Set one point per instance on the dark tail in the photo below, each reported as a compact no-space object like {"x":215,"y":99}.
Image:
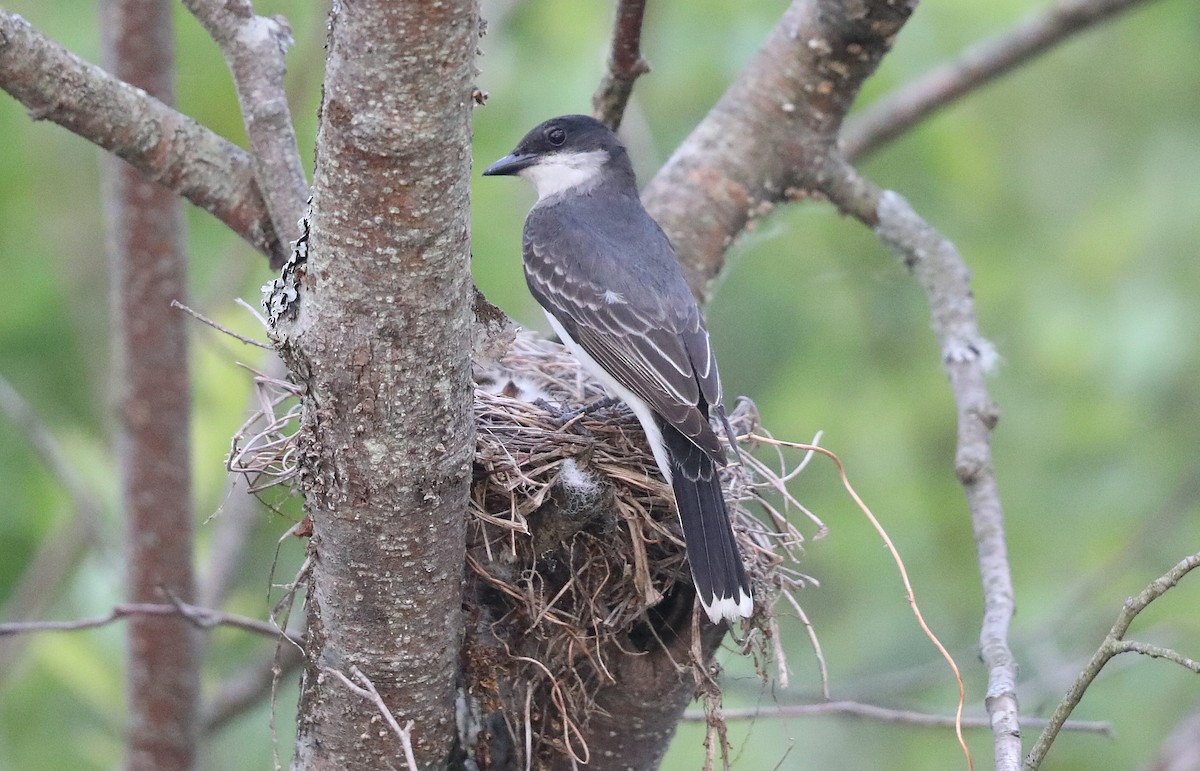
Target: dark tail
{"x":712,"y":552}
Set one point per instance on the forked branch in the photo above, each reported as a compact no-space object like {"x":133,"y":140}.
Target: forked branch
{"x":162,"y":143}
{"x":254,"y":48}
{"x":1115,"y":644}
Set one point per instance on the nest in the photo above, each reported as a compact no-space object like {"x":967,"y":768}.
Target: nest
{"x":573,"y":543}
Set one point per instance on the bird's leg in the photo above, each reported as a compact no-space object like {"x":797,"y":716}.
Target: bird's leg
{"x":603,"y":403}
{"x":591,"y":408}
{"x":569,"y":416}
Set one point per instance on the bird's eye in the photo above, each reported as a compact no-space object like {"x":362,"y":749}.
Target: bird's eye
{"x":555,"y":135}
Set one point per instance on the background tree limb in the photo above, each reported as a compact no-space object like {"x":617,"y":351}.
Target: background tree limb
{"x":60,"y":554}
{"x":149,"y":271}
{"x":164,"y":145}
{"x":981,"y":63}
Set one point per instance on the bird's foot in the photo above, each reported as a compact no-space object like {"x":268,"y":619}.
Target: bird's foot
{"x":568,"y":417}
{"x":602,"y":403}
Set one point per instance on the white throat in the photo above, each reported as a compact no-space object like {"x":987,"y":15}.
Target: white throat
{"x":561,"y":172}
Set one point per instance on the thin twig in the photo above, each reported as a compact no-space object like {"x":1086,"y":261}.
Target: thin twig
{"x":366,"y":689}
{"x":205,"y":618}
{"x":1113,"y":645}
{"x":220,"y":328}
{"x":977,"y":66}
{"x":889,"y":715}
{"x":625,"y":64}
{"x":253,"y":312}
{"x":943,"y":275}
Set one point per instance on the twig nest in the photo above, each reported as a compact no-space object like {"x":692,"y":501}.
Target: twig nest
{"x":575,"y":554}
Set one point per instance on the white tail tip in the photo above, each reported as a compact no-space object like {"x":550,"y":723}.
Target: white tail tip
{"x":731,"y":608}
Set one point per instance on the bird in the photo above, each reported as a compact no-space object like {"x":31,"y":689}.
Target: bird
{"x":614,"y":292}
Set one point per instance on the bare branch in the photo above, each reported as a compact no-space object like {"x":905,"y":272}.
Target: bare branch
{"x":59,"y":555}
{"x":144,"y":221}
{"x":166,"y":146}
{"x":202,"y":618}
{"x":1157,"y":652}
{"x":981,"y":63}
{"x":89,"y":518}
{"x":625,"y":64}
{"x":363,"y":686}
{"x":766,"y":139}
{"x":966,"y":355}
{"x":1113,"y":645}
{"x":888,"y":715}
{"x":255,"y":49}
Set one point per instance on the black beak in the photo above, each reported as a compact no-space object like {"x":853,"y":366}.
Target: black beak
{"x":510,"y":164}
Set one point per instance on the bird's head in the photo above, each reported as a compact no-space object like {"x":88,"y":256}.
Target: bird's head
{"x":571,"y":152}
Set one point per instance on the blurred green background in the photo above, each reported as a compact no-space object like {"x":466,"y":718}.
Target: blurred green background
{"x":1072,"y":189}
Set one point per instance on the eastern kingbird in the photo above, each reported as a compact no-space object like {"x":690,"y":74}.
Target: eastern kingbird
{"x":613,"y":290}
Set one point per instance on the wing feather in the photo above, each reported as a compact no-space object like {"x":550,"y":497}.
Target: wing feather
{"x":649,"y":338}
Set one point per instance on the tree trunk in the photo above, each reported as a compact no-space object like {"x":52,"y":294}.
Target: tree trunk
{"x":381,"y":340}
{"x":148,"y":272}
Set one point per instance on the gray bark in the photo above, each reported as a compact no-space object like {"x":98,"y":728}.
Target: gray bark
{"x":381,"y":340}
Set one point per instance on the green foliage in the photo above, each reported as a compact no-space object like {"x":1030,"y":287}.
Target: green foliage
{"x":1069,"y":187}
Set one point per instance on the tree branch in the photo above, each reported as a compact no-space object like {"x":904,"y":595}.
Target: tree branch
{"x":363,"y":686}
{"x":164,"y":145}
{"x":625,"y":64}
{"x":255,"y":49}
{"x":966,"y":355}
{"x":201,"y":618}
{"x":978,"y":65}
{"x":1113,"y":645}
{"x":766,"y":139}
{"x":888,"y":715}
